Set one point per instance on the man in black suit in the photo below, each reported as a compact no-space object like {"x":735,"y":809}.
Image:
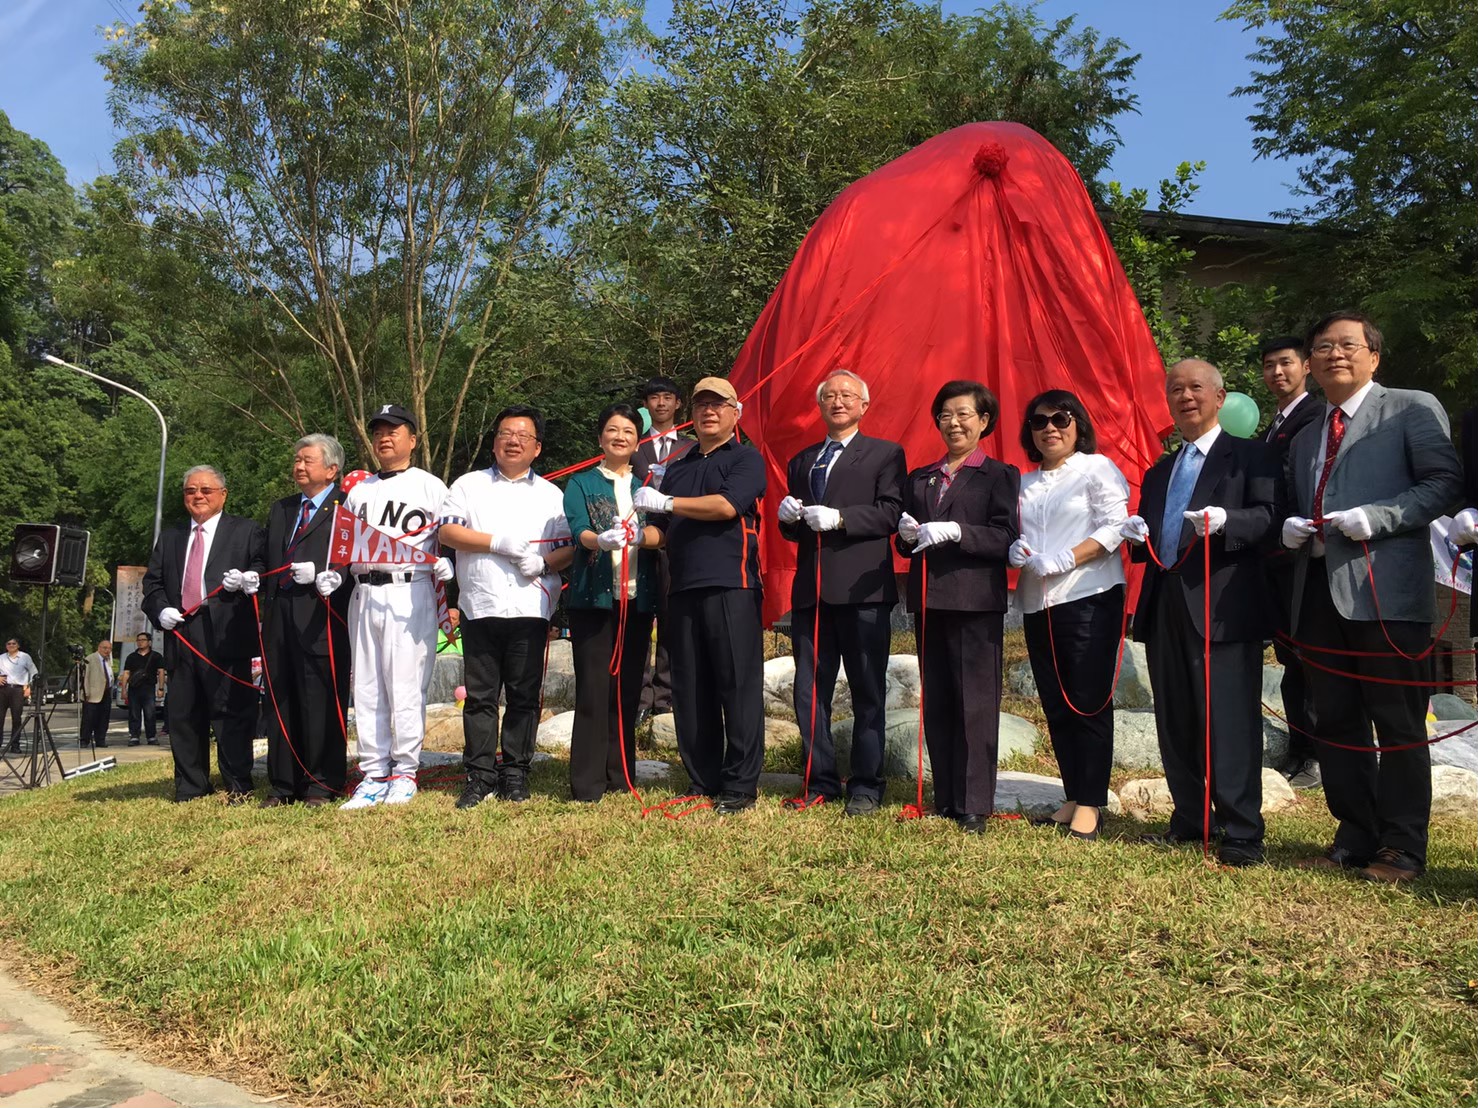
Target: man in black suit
{"x":845,"y":496}
{"x":1222,"y":490}
{"x":1285,"y":371}
{"x":307,"y":634}
{"x":199,"y":586}
{"x":662,"y":445}
{"x":1465,"y":524}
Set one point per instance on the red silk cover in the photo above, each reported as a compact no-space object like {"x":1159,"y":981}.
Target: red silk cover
{"x":979,"y":255}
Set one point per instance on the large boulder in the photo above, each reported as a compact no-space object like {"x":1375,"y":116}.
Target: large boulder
{"x":901,"y":742}
{"x":1272,"y":688}
{"x":444,"y":728}
{"x":1446,"y":706}
{"x":1277,"y":793}
{"x":1021,"y":680}
{"x":559,"y":676}
{"x":1461,"y":749}
{"x":1136,"y":744}
{"x":902,"y":689}
{"x":779,"y":683}
{"x":1133,"y":690}
{"x":903,"y":682}
{"x":447,"y":675}
{"x":1149,"y":798}
{"x":554,"y":734}
{"x":1454,"y":792}
{"x":664,"y":732}
{"x":1274,"y":742}
{"x":1032,"y":794}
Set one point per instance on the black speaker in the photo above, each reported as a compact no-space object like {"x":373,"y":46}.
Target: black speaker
{"x":49,"y":554}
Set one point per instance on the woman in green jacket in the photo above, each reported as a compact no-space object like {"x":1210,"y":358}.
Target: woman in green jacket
{"x":614,"y":551}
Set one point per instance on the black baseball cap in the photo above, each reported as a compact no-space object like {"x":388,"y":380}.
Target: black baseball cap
{"x":660,"y":384}
{"x":394,"y":415}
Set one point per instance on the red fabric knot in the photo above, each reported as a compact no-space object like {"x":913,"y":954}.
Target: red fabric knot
{"x":990,"y":159}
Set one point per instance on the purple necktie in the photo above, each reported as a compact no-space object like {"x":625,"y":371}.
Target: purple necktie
{"x":194,"y":570}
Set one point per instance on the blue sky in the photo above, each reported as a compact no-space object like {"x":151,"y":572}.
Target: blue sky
{"x":51,"y":87}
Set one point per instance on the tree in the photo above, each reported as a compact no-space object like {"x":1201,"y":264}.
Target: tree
{"x":1379,"y":103}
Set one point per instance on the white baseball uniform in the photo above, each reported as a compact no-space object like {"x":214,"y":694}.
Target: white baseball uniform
{"x":393,"y":625}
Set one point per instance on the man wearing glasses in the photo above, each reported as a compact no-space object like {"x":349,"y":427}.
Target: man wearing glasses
{"x":198,"y":589}
{"x":16,"y":673}
{"x":1365,"y":480}
{"x":845,"y":496}
{"x":711,"y":498}
{"x":508,"y":525}
{"x":143,"y":688}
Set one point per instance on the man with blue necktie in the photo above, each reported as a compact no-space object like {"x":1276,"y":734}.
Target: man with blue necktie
{"x":1221,"y":490}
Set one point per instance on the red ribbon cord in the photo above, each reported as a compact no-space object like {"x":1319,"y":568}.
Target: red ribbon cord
{"x":916,"y":810}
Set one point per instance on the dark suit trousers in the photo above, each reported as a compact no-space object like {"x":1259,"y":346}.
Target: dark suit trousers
{"x":718,"y":688}
{"x":309,"y":760}
{"x":856,"y":636}
{"x":1296,"y":707}
{"x":13,"y":700}
{"x":960,"y":661}
{"x":595,"y":749}
{"x":1379,"y":801}
{"x":501,"y":656}
{"x":202,"y":699}
{"x":1076,"y":661}
{"x":95,"y":722}
{"x":656,"y":693}
{"x":1178,"y":678}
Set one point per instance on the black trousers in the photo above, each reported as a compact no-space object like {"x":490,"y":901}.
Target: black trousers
{"x":596,"y":747}
{"x":141,"y":711}
{"x":202,"y":700}
{"x":960,"y":662}
{"x":13,"y":700}
{"x":309,"y":759}
{"x":1383,"y":800}
{"x":1295,"y":689}
{"x":501,"y":656}
{"x":1074,"y":660}
{"x":656,"y":692}
{"x":95,"y":717}
{"x":718,"y":688}
{"x":856,"y":636}
{"x":1178,"y":678}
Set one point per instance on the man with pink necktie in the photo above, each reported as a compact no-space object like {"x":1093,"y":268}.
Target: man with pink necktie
{"x":198,"y":591}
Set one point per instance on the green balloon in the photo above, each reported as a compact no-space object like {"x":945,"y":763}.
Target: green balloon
{"x":1240,"y":415}
{"x":646,"y":421}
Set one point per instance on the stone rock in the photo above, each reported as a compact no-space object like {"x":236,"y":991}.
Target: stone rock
{"x":559,"y":677}
{"x":1136,"y":744}
{"x":787,"y":783}
{"x":648,"y":771}
{"x":1277,"y":793}
{"x":1133,"y":690}
{"x":1274,"y":742}
{"x":901,"y":691}
{"x":1018,"y":736}
{"x":903,"y":682}
{"x":779,"y":681}
{"x":1020,"y":680}
{"x":1454,"y":792}
{"x":444,"y":728}
{"x":448,"y":673}
{"x":1146,"y":798}
{"x":779,"y":732}
{"x":664,"y":731}
{"x":554,"y":734}
{"x":901,"y":742}
{"x":1032,"y":794}
{"x":1461,"y":749}
{"x":1447,"y":706}
{"x":1272,"y":688}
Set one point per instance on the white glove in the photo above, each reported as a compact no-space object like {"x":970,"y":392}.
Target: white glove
{"x":1049,"y":565}
{"x":328,"y":582}
{"x":251,"y":581}
{"x":908,"y":528}
{"x":1018,"y":554}
{"x":1464,"y":527}
{"x":789,"y":510}
{"x":1297,"y":531}
{"x":1135,"y":529}
{"x":819,"y":517}
{"x":171,"y":618}
{"x":232,"y":580}
{"x":655,"y":472}
{"x":931,"y":534}
{"x":1207,"y":519}
{"x":1353,"y":523}
{"x":614,"y":539}
{"x":648,"y":499}
{"x":508,"y":547}
{"x":531,"y":565}
{"x":443,"y":570}
{"x":303,"y":573}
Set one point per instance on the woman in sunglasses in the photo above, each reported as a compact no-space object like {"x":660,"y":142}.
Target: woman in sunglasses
{"x":1072,"y":593}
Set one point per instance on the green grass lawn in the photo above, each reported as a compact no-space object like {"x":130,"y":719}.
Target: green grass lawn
{"x":560,"y":954}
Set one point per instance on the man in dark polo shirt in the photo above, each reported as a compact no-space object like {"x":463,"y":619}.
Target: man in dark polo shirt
{"x":710,"y":498}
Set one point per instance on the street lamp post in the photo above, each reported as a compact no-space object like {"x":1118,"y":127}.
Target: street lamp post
{"x":163,"y":431}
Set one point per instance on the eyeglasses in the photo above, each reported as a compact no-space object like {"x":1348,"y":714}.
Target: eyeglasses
{"x":1347,"y":348}
{"x":704,"y":405}
{"x":945,"y":418}
{"x":1061,"y":420}
{"x":201,"y":490}
{"x":515,"y":436}
{"x":844,"y":397}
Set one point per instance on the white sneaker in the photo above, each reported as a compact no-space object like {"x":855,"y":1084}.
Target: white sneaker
{"x":402,"y":790}
{"x":369,"y":793}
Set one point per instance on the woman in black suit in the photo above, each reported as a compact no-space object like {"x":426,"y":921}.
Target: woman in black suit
{"x":958,"y":524}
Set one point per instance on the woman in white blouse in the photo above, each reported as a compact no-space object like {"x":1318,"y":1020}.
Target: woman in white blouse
{"x":1071,"y":591}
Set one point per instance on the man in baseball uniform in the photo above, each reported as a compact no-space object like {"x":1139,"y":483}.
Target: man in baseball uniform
{"x":392,"y":614}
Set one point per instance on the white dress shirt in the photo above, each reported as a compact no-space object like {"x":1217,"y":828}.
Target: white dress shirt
{"x":1084,"y":498}
{"x":1349,"y":407}
{"x":17,"y":670}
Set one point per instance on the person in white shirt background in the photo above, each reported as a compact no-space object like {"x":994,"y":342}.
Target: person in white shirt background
{"x":16,"y":673}
{"x":1072,"y":507}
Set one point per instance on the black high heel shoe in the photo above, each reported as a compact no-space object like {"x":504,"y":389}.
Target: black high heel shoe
{"x":1090,"y":836}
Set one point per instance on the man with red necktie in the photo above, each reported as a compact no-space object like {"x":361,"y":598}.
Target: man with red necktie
{"x":198,"y":591}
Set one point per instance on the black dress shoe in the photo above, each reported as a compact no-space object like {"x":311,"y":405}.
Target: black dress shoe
{"x":860,"y":805}
{"x":1240,"y":852}
{"x":275,"y":802}
{"x":236,"y":800}
{"x":732,"y":805}
{"x":133,"y":742}
{"x":473,"y":794}
{"x":810,"y":800}
{"x":972,"y":825}
{"x":515,"y":789}
{"x":1088,"y":836}
{"x":1171,"y":838}
{"x":1393,"y":867}
{"x":1335,"y":858}
{"x":317,"y":801}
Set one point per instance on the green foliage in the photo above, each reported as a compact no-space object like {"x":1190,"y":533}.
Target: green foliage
{"x":1378,"y":105}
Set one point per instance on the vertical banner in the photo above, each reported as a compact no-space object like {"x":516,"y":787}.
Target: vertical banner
{"x":128,"y":609}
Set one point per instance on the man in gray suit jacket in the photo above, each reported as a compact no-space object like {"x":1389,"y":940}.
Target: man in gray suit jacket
{"x":1366,"y":480}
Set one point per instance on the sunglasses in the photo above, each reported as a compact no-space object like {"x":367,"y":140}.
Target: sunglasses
{"x":1061,"y":420}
